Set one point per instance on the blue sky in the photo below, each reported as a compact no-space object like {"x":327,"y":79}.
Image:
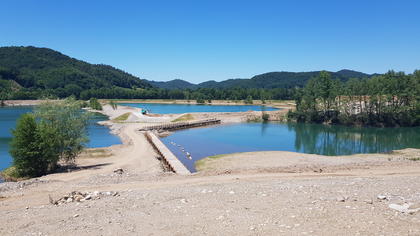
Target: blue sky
{"x":199,"y":40}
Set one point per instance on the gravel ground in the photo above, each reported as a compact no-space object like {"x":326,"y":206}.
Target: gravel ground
{"x":129,"y":193}
{"x":231,"y":205}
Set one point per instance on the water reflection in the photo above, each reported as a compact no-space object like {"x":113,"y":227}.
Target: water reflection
{"x":304,"y":138}
{"x":341,"y":140}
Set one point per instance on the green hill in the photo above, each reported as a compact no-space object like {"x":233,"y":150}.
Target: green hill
{"x":34,"y":68}
{"x":269,"y":80}
{"x":172,"y":84}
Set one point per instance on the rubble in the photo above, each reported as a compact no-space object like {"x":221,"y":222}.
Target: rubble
{"x":76,"y":196}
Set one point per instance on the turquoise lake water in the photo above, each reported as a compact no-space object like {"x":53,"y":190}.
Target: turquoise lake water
{"x":99,"y":135}
{"x":160,"y":108}
{"x":303,"y":138}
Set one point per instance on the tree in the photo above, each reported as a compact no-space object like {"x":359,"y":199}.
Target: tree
{"x":28,"y":158}
{"x":94,"y":104}
{"x":248,"y":100}
{"x":63,"y":126}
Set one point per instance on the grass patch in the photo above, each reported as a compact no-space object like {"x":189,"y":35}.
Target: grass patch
{"x":185,"y":117}
{"x":200,"y":164}
{"x":95,"y":153}
{"x":414,"y":158}
{"x":122,"y":117}
{"x":10,"y":174}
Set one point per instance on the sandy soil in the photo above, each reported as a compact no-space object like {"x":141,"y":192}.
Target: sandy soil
{"x":266,"y":193}
{"x":292,"y":162}
{"x":275,"y":103}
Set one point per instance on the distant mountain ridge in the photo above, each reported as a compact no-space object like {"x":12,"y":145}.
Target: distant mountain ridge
{"x":267,"y":80}
{"x":44,"y":69}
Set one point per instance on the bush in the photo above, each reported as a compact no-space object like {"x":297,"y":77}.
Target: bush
{"x":113,"y":105}
{"x":201,"y":101}
{"x":94,"y":104}
{"x":25,"y":148}
{"x":57,"y":131}
{"x":265,"y":117}
{"x":65,"y":125}
{"x":248,"y":100}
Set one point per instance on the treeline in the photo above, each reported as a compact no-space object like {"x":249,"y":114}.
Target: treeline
{"x":392,"y":99}
{"x":151,"y":93}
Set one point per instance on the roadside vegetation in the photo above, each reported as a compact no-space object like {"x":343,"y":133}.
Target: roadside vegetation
{"x":53,"y":133}
{"x":392,"y":99}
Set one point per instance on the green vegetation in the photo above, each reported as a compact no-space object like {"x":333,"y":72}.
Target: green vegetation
{"x":25,"y":148}
{"x":248,"y":100}
{"x":200,"y":101}
{"x":185,"y":117}
{"x":122,"y":117}
{"x":113,"y":104}
{"x":10,"y":174}
{"x":35,"y":73}
{"x":392,"y":99}
{"x":269,"y":80}
{"x":30,"y":73}
{"x":94,"y":104}
{"x":265,"y":117}
{"x":55,"y":131}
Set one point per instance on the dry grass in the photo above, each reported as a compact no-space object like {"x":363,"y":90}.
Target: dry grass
{"x":96,"y":153}
{"x":122,"y":117}
{"x":185,"y":117}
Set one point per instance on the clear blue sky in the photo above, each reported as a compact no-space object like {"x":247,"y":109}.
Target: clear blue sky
{"x":200,"y":40}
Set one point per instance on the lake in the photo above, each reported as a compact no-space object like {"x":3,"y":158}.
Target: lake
{"x":99,"y":135}
{"x":161,"y":108}
{"x":303,"y":138}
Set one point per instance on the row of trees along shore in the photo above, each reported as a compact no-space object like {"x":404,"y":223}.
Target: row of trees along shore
{"x":392,"y":99}
{"x":56,"y":132}
{"x":149,"y":93}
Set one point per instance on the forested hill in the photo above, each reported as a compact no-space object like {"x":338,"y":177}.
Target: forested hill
{"x":45,"y":69}
{"x":268,"y":80}
{"x":173,"y":84}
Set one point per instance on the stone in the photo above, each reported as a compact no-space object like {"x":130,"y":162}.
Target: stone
{"x":342,"y":199}
{"x":401,"y":208}
{"x":88,"y":197}
{"x":368,"y":201}
{"x":119,"y":171}
{"x":382,"y":197}
{"x":77,"y":198}
{"x":76,"y":215}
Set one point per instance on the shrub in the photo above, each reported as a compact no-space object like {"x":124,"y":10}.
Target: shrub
{"x":57,"y":131}
{"x":28,"y":158}
{"x":113,"y":105}
{"x":265,"y":117}
{"x":248,"y":100}
{"x":94,"y":104}
{"x":65,"y":124}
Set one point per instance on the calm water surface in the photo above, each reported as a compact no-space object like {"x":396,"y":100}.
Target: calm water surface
{"x":99,"y":135}
{"x":303,"y":138}
{"x":160,"y":108}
